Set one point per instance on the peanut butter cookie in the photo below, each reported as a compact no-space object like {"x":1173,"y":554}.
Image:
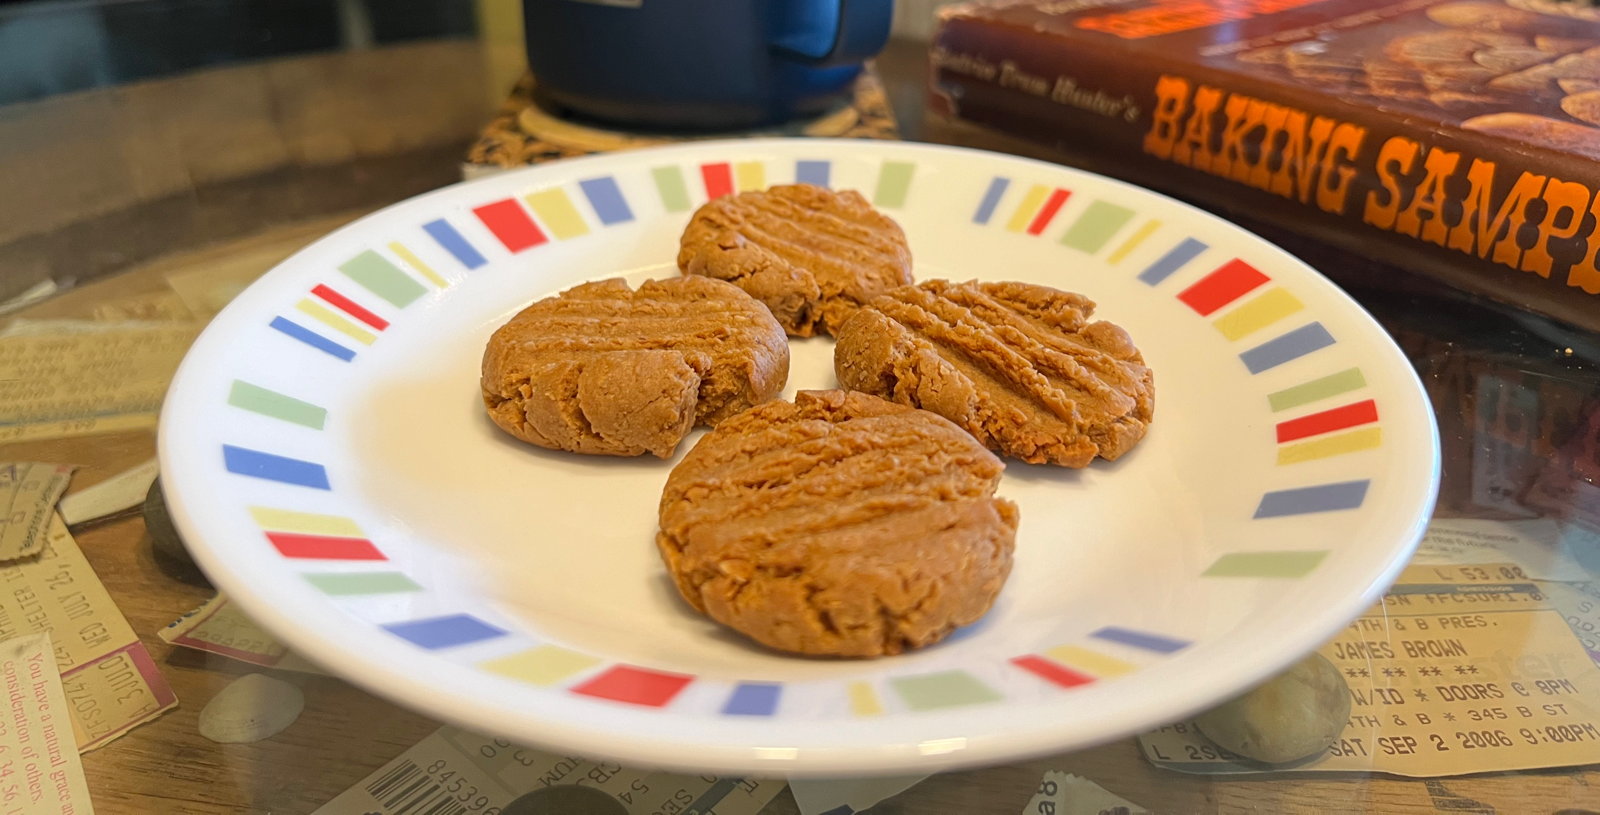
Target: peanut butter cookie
{"x":1020,"y":367}
{"x":838,"y":525}
{"x":812,"y":255}
{"x":603,"y":369}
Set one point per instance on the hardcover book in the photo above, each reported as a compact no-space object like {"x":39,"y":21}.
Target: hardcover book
{"x":1456,"y":138}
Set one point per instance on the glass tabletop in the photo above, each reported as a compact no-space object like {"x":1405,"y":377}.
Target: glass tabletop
{"x":155,"y":157}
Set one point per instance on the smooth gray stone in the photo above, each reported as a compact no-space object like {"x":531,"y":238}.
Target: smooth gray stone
{"x":1294,"y":715}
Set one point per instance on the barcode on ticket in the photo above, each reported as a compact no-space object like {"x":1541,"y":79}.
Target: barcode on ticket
{"x":407,"y":790}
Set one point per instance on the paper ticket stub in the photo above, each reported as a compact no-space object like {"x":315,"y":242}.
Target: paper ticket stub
{"x":39,"y":767}
{"x":1579,"y":603}
{"x":1539,"y":546}
{"x":110,"y":680}
{"x":55,"y":385}
{"x":207,"y":288}
{"x":28,"y":493}
{"x":155,"y":306}
{"x":453,"y":772}
{"x":35,"y":293}
{"x":847,"y":796}
{"x":1460,"y":669}
{"x":1062,"y":793}
{"x":219,"y":627}
{"x":119,"y":493}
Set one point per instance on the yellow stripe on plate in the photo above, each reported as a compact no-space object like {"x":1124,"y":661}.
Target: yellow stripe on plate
{"x":306,"y":523}
{"x":1028,"y":208}
{"x":1367,"y":438}
{"x":1133,"y":241}
{"x":327,"y":317}
{"x":416,"y":263}
{"x":750,"y":175}
{"x":1089,"y":661}
{"x":544,"y":665}
{"x":864,"y":700}
{"x":556,"y":211}
{"x":1272,"y":306}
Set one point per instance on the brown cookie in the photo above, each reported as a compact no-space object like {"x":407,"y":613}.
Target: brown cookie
{"x":1584,"y":106}
{"x":812,"y":255}
{"x":1457,"y":100}
{"x":1480,"y":15}
{"x":1452,"y":52}
{"x":1508,"y":59}
{"x":603,"y":369}
{"x":1543,"y":77}
{"x":1018,"y":366}
{"x":1561,"y":45}
{"x":1540,"y":130}
{"x":1387,"y":78}
{"x":1263,"y":56}
{"x":1318,"y":56}
{"x":838,"y":525}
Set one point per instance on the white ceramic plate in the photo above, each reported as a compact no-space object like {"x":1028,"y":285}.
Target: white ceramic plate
{"x":327,"y":459}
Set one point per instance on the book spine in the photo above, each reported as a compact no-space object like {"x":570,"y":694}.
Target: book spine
{"x":1492,"y":216}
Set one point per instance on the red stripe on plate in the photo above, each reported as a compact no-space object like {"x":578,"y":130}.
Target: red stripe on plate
{"x":1048,"y":211}
{"x":510,"y":223}
{"x":1328,"y":421}
{"x":635,"y":686}
{"x":1222,"y":287}
{"x":718,"y":178}
{"x":350,"y":307}
{"x":324,"y":547}
{"x":1065,"y":677}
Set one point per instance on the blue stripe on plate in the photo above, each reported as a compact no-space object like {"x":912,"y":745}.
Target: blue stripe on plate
{"x":753,"y":699}
{"x":606,"y":199}
{"x":1290,"y":346}
{"x":1306,"y":500}
{"x":312,"y":338}
{"x":1140,"y":639}
{"x":257,"y":464}
{"x":812,"y":172}
{"x":443,"y":632}
{"x":1186,"y":250}
{"x":446,"y":235}
{"x":991,"y":199}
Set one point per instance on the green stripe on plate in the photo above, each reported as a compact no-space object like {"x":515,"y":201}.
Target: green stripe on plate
{"x":1265,"y":564}
{"x":943,"y":689}
{"x":346,"y":583}
{"x":894,"y":181}
{"x":1330,"y":385}
{"x":379,"y":276}
{"x":674,"y":195}
{"x":257,"y":399}
{"x":1094,"y":228}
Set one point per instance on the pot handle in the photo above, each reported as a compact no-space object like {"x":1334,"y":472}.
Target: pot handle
{"x":835,"y":32}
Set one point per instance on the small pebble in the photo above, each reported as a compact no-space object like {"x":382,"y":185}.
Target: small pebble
{"x":170,"y":555}
{"x":565,"y":799}
{"x":251,"y":708}
{"x":1295,"y":715}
